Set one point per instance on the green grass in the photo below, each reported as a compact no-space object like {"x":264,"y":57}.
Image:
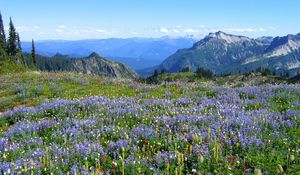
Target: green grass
{"x":7,"y":67}
{"x":181,"y":76}
{"x":33,"y":88}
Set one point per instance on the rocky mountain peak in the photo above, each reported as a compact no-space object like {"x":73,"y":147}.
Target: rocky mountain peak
{"x":226,"y":53}
{"x":93,"y":54}
{"x":267,"y":40}
{"x":227,"y":37}
{"x":281,"y":46}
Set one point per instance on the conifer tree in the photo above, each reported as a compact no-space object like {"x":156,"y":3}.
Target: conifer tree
{"x":3,"y":48}
{"x":19,"y":48}
{"x":33,"y":54}
{"x":2,"y":32}
{"x":12,"y":40}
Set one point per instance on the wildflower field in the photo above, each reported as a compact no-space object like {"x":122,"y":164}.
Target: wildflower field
{"x":78,"y":124}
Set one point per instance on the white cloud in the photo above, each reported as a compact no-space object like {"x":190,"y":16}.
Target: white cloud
{"x":26,"y":28}
{"x":190,"y":30}
{"x":135,"y":33}
{"x":272,"y":28}
{"x":86,"y":31}
{"x":63,"y":31}
{"x":61,"y":27}
{"x":245,"y":30}
{"x":101,"y":31}
{"x":163,"y":30}
{"x":36,"y":27}
{"x":176,"y":31}
{"x":81,"y":33}
{"x":59,"y":30}
{"x":41,"y":33}
{"x":75,"y":33}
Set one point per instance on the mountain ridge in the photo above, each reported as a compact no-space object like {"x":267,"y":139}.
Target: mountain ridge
{"x":226,"y":53}
{"x":130,"y":51}
{"x":92,"y":64}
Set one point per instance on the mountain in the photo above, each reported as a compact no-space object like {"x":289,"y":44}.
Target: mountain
{"x":265,"y":39}
{"x":92,"y":64}
{"x":225,"y":53}
{"x":281,"y":56}
{"x":138,"y":53}
{"x":216,"y":52}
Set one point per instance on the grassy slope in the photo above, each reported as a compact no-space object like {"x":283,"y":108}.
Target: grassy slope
{"x":33,"y":88}
{"x":7,"y":67}
{"x":235,"y":80}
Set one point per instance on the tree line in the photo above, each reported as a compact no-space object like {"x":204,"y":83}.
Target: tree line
{"x":199,"y":73}
{"x":10,"y":47}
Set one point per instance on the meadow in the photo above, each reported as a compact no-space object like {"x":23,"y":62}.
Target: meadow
{"x":66,"y":123}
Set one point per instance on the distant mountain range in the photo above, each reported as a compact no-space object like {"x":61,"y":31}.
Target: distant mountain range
{"x":92,"y":64}
{"x":137,"y":53}
{"x":225,"y":53}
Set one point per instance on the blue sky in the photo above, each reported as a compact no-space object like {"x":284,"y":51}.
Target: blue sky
{"x":84,"y":19}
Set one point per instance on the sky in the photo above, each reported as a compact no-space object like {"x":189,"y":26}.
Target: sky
{"x":95,"y":19}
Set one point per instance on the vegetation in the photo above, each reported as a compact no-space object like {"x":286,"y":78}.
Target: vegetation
{"x":3,"y":48}
{"x":11,"y":55}
{"x":13,"y":38}
{"x":184,"y":76}
{"x":186,"y":69}
{"x":33,"y":54}
{"x":201,"y":72}
{"x":179,"y":123}
{"x":264,"y":71}
{"x":92,"y":64}
{"x":67,"y":123}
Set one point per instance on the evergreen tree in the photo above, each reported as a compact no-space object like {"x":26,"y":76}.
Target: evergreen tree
{"x":33,"y":59}
{"x":155,"y":74}
{"x":185,"y":69}
{"x":19,"y":48}
{"x":2,"y":32}
{"x":154,"y":78}
{"x":201,"y":72}
{"x":3,"y":48}
{"x":163,"y":70}
{"x":12,"y":40}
